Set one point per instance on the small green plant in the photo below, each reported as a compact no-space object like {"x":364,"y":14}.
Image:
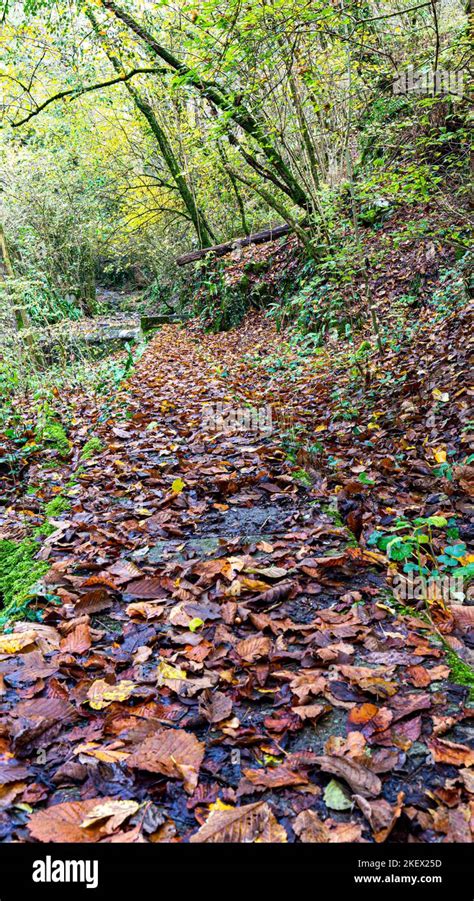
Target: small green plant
{"x":416,"y":544}
{"x":303,"y":478}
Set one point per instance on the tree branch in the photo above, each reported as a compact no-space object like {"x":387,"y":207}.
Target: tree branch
{"x":73,"y":93}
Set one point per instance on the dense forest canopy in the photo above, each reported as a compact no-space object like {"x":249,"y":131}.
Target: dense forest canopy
{"x":132,"y":132}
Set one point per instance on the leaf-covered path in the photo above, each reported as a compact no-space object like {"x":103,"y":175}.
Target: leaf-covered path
{"x":226,"y":662}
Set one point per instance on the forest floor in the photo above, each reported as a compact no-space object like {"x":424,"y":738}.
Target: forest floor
{"x":221,"y":654}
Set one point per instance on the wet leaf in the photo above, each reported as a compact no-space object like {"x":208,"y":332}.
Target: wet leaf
{"x":249,"y":823}
{"x":174,"y":753}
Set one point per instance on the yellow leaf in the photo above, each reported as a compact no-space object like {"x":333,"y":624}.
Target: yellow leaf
{"x":165,"y":672}
{"x":101,"y":694}
{"x":439,"y":454}
{"x":195,"y":624}
{"x":118,"y":810}
{"x":11,"y":644}
{"x":219,"y":805}
{"x":177,"y":486}
{"x":443,"y":396}
{"x":107,"y":755}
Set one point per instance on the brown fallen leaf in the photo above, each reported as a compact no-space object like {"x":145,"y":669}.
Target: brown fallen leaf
{"x":62,"y":822}
{"x":124,"y":571}
{"x":9,"y":793}
{"x":311,"y":711}
{"x":306,"y":683}
{"x":450,"y":752}
{"x":274,"y":777}
{"x":381,"y":815}
{"x":14,"y":644}
{"x":145,"y":609}
{"x":310,"y":829}
{"x":94,"y":601}
{"x":251,"y":649}
{"x":172,"y":752}
{"x":215,"y":706}
{"x":467,"y":777}
{"x":459,"y":828}
{"x":358,"y":777}
{"x":78,"y":641}
{"x":363,"y":714}
{"x":110,"y":754}
{"x":275,"y":594}
{"x":463,"y":616}
{"x":13,"y":771}
{"x":47,"y":637}
{"x":113,"y":812}
{"x":100,"y":579}
{"x":146,"y":588}
{"x":250,"y":823}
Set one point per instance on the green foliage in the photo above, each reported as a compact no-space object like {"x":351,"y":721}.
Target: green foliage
{"x":57,"y":506}
{"x":461,"y":672}
{"x":91,"y":448}
{"x":425,"y":548}
{"x":52,"y":433}
{"x":218,"y":303}
{"x":19,"y":572}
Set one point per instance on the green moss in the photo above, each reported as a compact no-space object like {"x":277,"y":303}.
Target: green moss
{"x":19,"y":571}
{"x":461,"y":672}
{"x":54,"y":508}
{"x":91,"y":448}
{"x":57,"y":506}
{"x":44,"y":531}
{"x":54,"y":434}
{"x":303,"y":478}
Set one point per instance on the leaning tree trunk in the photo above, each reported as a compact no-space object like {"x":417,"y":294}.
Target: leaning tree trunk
{"x":214,"y":93}
{"x":197,"y":217}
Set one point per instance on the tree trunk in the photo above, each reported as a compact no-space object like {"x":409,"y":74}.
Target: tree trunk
{"x":198,"y":219}
{"x":219,"y":250}
{"x":217,"y":95}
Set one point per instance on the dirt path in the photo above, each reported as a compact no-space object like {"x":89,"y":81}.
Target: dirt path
{"x":224,"y":663}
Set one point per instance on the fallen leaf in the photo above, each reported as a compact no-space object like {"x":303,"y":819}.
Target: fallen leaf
{"x":115,"y":812}
{"x":251,"y":649}
{"x":172,"y":752}
{"x":358,"y":777}
{"x":62,"y":822}
{"x":101,"y":694}
{"x":381,"y":815}
{"x":336,"y":797}
{"x":250,"y":823}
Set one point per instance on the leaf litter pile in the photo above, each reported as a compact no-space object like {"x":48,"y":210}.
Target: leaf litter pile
{"x":219,"y":656}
